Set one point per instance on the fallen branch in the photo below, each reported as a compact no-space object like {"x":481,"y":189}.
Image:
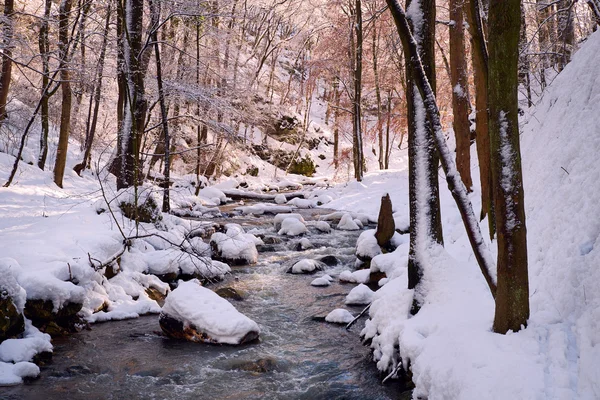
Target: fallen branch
{"x":358,"y":317}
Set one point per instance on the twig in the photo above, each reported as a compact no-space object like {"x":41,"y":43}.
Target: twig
{"x":358,"y":317}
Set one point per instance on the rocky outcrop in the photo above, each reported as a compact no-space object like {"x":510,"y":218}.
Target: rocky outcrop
{"x":12,"y":322}
{"x":54,"y":322}
{"x":385,"y":223}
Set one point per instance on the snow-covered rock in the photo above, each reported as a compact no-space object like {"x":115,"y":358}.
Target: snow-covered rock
{"x":234,"y":246}
{"x":321,"y":281}
{"x":347,"y":223}
{"x":323,"y":226}
{"x":213,"y":194}
{"x":306,"y":266}
{"x":278,"y":219}
{"x":360,"y":276}
{"x":304,"y":244}
{"x":197,"y":314}
{"x":366,"y":245}
{"x":292,"y":227}
{"x":280,"y":199}
{"x":301,"y":203}
{"x":339,"y":316}
{"x":264,"y":208}
{"x":360,"y":295}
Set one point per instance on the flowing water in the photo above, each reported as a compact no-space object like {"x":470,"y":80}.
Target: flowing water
{"x":297,"y":357}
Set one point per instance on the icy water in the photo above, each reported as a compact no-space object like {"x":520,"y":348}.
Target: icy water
{"x":297,"y":357}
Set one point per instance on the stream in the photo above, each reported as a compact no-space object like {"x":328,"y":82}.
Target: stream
{"x":297,"y":357}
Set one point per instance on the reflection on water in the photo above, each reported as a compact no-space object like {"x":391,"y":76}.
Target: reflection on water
{"x":296,"y":358}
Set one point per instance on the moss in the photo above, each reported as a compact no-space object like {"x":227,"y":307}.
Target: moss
{"x":146,"y":212}
{"x":303,"y":166}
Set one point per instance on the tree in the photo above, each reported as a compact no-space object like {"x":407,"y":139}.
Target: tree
{"x":425,"y":218}
{"x":65,"y":85}
{"x":5,"y":60}
{"x":512,"y":295}
{"x":44,"y":46}
{"x":126,"y":163}
{"x":460,"y":89}
{"x":479,"y":55}
{"x":356,"y":47}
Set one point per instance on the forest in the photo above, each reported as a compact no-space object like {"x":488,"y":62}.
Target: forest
{"x":296,"y":199}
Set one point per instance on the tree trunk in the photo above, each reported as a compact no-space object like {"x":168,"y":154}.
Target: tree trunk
{"x":6,"y":64}
{"x":356,"y":44}
{"x":480,"y":75}
{"x":595,"y":7}
{"x":457,"y":188}
{"x":512,"y":296}
{"x":336,"y":121}
{"x":132,"y":126}
{"x":44,"y":47}
{"x":460,"y":88}
{"x":566,"y":33}
{"x":91,"y":125}
{"x":381,"y":158}
{"x":65,"y":86}
{"x":425,"y":218}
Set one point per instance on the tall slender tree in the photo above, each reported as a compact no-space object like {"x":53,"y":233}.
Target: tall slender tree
{"x":65,"y":87}
{"x":512,"y":295}
{"x":5,"y":60}
{"x":425,"y":217}
{"x":460,"y":90}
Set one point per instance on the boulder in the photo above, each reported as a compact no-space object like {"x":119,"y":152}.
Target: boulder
{"x":234,"y":246}
{"x":306,"y":266}
{"x":197,"y":314}
{"x":339,"y":316}
{"x":330,"y":260}
{"x":386,"y":226}
{"x":12,"y":322}
{"x":347,"y":223}
{"x":292,"y":227}
{"x":229,"y":293}
{"x":12,"y":300}
{"x":56,"y":322}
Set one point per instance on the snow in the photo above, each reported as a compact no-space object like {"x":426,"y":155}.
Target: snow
{"x":32,"y":343}
{"x":347,"y":223}
{"x":366,"y":244}
{"x":301,"y":203}
{"x":306,"y":266}
{"x":304,"y":244}
{"x":195,"y":305}
{"x":360,"y":276}
{"x":280,"y":199}
{"x":321,"y":281}
{"x":339,"y":316}
{"x":360,"y":295}
{"x":292,"y":227}
{"x":264,"y":208}
{"x":9,"y":285}
{"x":213,"y":194}
{"x":280,"y":217}
{"x":234,"y":244}
{"x":13,"y":374}
{"x":322,"y":226}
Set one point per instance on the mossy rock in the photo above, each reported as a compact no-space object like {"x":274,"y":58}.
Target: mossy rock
{"x":303,"y":166}
{"x":252,"y":171}
{"x":229,"y":293}
{"x":12,"y":322}
{"x":147,"y":212}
